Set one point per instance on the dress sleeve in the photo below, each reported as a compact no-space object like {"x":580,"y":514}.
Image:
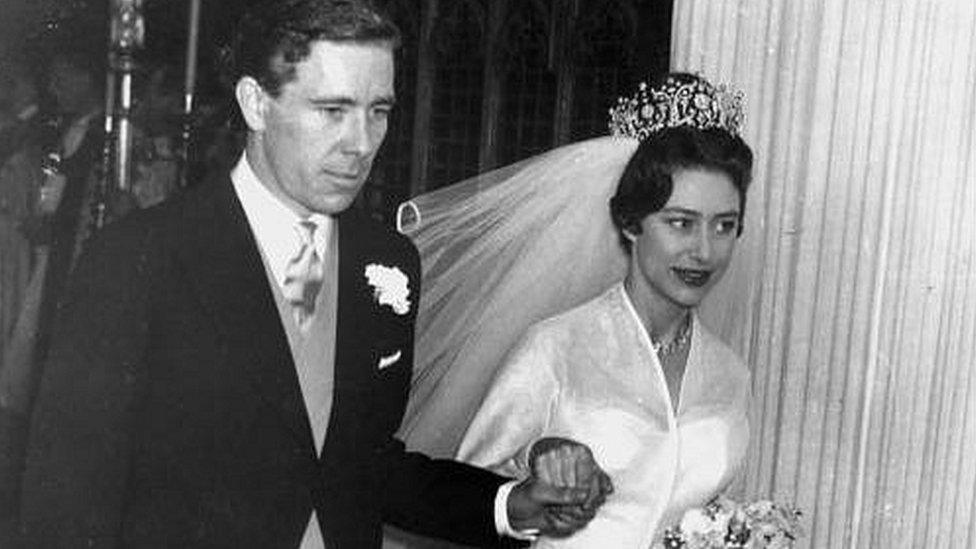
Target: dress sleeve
{"x":516,"y":410}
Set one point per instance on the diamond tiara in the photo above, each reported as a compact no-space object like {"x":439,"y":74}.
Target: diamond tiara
{"x":689,"y":101}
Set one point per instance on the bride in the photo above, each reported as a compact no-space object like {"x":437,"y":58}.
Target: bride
{"x":620,"y":238}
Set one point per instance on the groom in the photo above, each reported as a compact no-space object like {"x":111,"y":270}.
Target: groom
{"x":229,"y":368}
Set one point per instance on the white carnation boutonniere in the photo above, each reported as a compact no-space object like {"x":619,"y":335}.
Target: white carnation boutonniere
{"x":390,"y":287}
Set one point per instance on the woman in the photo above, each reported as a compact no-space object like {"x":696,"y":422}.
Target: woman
{"x":633,"y":373}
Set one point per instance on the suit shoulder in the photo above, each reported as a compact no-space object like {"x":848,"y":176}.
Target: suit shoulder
{"x":159,"y":223}
{"x":384,"y":231}
{"x":128,"y":232}
{"x":379,"y":238}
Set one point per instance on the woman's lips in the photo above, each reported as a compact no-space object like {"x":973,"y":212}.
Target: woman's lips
{"x":695,"y":278}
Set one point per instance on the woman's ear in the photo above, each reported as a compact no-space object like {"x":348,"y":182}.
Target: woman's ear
{"x":253,"y":102}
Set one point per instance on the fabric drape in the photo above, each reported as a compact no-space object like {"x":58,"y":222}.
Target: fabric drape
{"x":853,"y":294}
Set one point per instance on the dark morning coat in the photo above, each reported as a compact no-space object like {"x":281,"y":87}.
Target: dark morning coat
{"x":170,"y":413}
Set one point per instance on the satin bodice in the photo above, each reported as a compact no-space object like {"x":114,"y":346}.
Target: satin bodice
{"x":591,"y":375}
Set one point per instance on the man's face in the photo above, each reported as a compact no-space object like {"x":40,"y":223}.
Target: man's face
{"x":314,"y":144}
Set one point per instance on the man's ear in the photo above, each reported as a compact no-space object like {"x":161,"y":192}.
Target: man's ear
{"x":253,"y":102}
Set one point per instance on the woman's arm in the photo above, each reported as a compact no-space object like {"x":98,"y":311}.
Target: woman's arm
{"x":516,"y":410}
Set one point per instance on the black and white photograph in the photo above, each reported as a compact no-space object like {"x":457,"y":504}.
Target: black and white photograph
{"x":453,"y":274}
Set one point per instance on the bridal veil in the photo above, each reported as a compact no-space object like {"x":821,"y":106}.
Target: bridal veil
{"x":500,"y":252}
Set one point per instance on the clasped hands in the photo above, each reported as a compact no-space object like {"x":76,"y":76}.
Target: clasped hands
{"x":564,"y":491}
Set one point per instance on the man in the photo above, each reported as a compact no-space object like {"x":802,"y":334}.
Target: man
{"x":53,"y":210}
{"x":231,"y":366}
{"x":19,"y":180}
{"x":19,"y":175}
{"x":62,"y":217}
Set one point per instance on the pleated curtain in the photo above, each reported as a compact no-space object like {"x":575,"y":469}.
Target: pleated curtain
{"x":853,"y":293}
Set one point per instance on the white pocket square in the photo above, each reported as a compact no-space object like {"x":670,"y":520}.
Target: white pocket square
{"x":389,"y":360}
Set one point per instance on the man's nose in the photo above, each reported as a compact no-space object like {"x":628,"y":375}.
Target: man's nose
{"x":359,"y":139}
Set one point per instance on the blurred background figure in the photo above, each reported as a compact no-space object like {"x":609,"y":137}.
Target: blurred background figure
{"x":74,"y":82}
{"x":158,"y":120}
{"x":19,"y":107}
{"x":49,"y":184}
{"x":156,"y":168}
{"x":20,"y":130}
{"x":52,"y":185}
{"x":20,"y":177}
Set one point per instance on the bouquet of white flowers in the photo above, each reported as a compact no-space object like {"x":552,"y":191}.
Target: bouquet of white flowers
{"x":727,"y":524}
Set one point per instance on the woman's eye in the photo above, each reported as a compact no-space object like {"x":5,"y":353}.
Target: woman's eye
{"x":728,"y":226}
{"x":381,"y":114}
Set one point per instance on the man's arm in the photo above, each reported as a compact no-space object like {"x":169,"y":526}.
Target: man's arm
{"x":440,"y":498}
{"x":456,"y":501}
{"x":81,"y":432}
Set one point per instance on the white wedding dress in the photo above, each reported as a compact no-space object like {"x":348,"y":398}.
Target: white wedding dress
{"x":591,"y":375}
{"x":507,"y":249}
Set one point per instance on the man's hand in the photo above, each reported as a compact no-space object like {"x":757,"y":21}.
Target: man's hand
{"x":563,"y":494}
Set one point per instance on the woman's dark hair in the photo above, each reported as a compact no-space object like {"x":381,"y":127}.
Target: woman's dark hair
{"x":274,"y":35}
{"x":646,"y":183}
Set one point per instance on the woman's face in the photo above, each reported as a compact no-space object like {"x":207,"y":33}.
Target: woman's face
{"x":685,"y":247}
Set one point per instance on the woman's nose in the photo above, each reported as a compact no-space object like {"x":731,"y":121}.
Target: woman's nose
{"x":703,"y":246}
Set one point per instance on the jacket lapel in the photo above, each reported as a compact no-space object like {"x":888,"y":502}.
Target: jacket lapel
{"x":225,"y":268}
{"x":351,"y":397}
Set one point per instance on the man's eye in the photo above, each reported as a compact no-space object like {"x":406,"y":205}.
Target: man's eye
{"x":680,"y":222}
{"x":381,"y":113}
{"x":332,"y":112}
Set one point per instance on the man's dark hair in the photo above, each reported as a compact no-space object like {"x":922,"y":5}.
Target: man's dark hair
{"x":274,"y":35}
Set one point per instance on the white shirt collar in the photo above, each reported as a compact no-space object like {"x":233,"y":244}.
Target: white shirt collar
{"x":273,"y":223}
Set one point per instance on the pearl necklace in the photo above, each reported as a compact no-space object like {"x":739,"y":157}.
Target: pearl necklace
{"x":677,"y":342}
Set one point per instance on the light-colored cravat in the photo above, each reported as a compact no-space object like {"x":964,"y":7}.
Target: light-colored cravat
{"x":304,"y":278}
{"x":304,"y":274}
